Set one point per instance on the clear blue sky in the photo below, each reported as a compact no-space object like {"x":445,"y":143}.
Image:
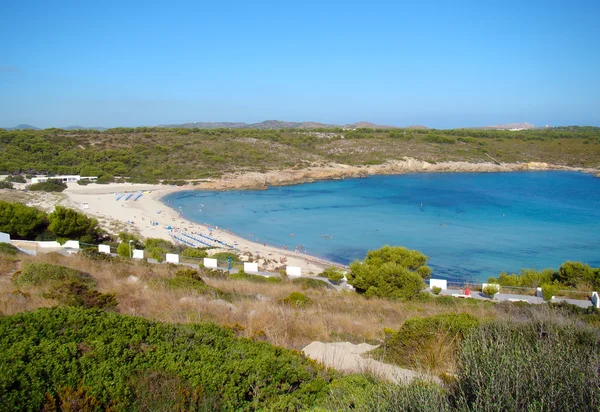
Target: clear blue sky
{"x":438,"y":63}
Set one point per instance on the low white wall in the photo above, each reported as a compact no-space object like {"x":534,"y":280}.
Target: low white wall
{"x":250,"y":267}
{"x":210,"y":263}
{"x":440,"y":283}
{"x":172,"y":258}
{"x":44,"y":245}
{"x":293,"y":271}
{"x":596,"y":300}
{"x":71,"y":244}
{"x":4,"y":237}
{"x":104,"y":249}
{"x":138,"y":254}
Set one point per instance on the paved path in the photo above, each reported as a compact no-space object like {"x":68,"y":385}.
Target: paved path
{"x":501,"y":297}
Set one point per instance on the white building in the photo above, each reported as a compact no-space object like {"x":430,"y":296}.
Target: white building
{"x":64,"y":178}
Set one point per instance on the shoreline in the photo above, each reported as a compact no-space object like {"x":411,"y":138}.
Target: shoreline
{"x":136,"y":216}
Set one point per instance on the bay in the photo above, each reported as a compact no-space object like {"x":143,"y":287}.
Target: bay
{"x":471,"y":225}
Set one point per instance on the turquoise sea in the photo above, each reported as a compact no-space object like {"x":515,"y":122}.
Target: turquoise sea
{"x":471,"y":225}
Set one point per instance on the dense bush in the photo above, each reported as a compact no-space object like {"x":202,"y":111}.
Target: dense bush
{"x":192,"y":252}
{"x":333,"y":273}
{"x":20,"y":221}
{"x":80,"y":295}
{"x":241,"y":275}
{"x":16,"y":179}
{"x":390,"y":272}
{"x":5,"y":185}
{"x":428,"y":343}
{"x":308,"y":283}
{"x":569,"y":275}
{"x":536,"y":365}
{"x":8,"y":249}
{"x":47,"y":274}
{"x":48,"y":186}
{"x":70,"y":224}
{"x":296,"y":299}
{"x":116,"y":362}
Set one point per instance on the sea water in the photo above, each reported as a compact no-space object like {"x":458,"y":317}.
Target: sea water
{"x":471,"y":225}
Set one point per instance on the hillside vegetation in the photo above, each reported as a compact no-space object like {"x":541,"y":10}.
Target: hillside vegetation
{"x":148,"y":154}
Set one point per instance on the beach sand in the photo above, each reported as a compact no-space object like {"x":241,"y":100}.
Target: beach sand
{"x":136,"y":216}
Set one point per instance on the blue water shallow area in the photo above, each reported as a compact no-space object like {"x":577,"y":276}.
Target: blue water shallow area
{"x":471,"y":225}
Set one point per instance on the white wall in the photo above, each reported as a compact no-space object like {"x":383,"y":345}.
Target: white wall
{"x":596,"y":300}
{"x":172,"y":258}
{"x":440,"y":283}
{"x":250,"y":267}
{"x":104,"y":249}
{"x":210,"y":263}
{"x":49,"y":245}
{"x":4,"y":237}
{"x":293,"y":271}
{"x":71,"y":244}
{"x":138,"y":254}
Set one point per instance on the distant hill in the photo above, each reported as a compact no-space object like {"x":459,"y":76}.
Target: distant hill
{"x":23,"y":127}
{"x":275,"y":124}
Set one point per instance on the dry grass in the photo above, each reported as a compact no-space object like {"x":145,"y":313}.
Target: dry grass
{"x":253,"y":309}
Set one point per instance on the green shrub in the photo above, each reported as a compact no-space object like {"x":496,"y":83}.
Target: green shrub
{"x":333,"y":273}
{"x":42,"y":274}
{"x":534,"y":365}
{"x":297,"y":299}
{"x":110,"y":360}
{"x":549,"y":290}
{"x":241,"y":275}
{"x":48,"y":186}
{"x":192,"y":252}
{"x":436,"y":290}
{"x":83,"y":182}
{"x":225,"y":256}
{"x":125,"y":249}
{"x":6,"y":185}
{"x":20,"y":221}
{"x":189,"y":273}
{"x":8,"y":249}
{"x":390,"y":272}
{"x":16,"y":179}
{"x":428,"y":342}
{"x":491,"y":290}
{"x":70,"y":224}
{"x":77,"y":294}
{"x":308,"y":283}
{"x":93,"y":254}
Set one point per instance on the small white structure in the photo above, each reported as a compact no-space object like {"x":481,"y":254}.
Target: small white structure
{"x":293,"y":271}
{"x":439,"y":283}
{"x":172,"y":258}
{"x":104,"y":249}
{"x":71,"y":244}
{"x":250,"y":267}
{"x":210,"y":263}
{"x":4,"y":237}
{"x":63,"y":178}
{"x":596,"y":300}
{"x":138,"y":254}
{"x":539,"y":293}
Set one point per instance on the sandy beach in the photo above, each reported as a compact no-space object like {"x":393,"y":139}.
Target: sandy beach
{"x":138,"y":216}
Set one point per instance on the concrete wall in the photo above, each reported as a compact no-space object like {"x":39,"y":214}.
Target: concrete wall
{"x":104,"y":249}
{"x":4,"y":237}
{"x":138,"y":254}
{"x":48,"y":245}
{"x":72,"y":244}
{"x":293,"y":271}
{"x":210,"y":263}
{"x":440,"y":283}
{"x":172,"y":258}
{"x":595,"y":300}
{"x":250,"y":267}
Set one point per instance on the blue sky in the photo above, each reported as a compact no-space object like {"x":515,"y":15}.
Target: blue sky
{"x":438,"y":63}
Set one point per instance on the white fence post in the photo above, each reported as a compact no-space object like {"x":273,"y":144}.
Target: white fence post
{"x":250,"y":267}
{"x":172,"y":258}
{"x":293,"y":271}
{"x":138,"y":254}
{"x":440,"y":283}
{"x":210,"y":263}
{"x":104,"y":249}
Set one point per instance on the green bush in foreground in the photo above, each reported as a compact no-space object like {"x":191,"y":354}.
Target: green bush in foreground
{"x":6,"y":185}
{"x":55,"y":356}
{"x":296,"y":299}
